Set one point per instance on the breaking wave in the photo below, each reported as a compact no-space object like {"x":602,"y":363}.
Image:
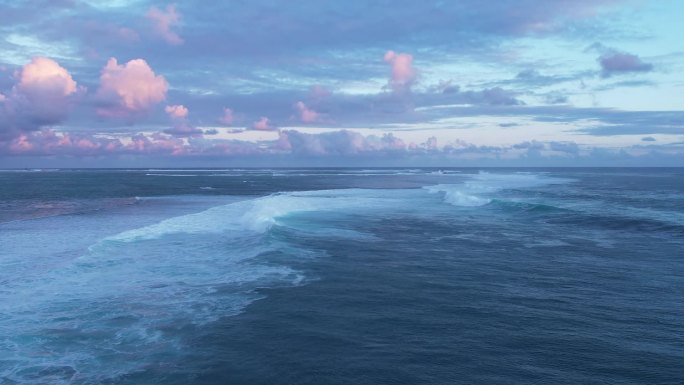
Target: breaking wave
{"x":477,"y":189}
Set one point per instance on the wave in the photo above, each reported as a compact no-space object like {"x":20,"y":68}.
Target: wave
{"x":135,"y":288}
{"x":456,"y":195}
{"x":256,"y":215}
{"x":130,"y":293}
{"x":474,"y":190}
{"x":175,"y":175}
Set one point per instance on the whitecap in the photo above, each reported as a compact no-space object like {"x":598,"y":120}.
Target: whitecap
{"x":474,"y":190}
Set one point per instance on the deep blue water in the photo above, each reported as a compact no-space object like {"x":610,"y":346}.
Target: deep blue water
{"x":342,"y":276}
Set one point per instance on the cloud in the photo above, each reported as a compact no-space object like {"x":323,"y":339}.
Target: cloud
{"x":635,"y":123}
{"x":44,"y":76}
{"x":566,"y":147}
{"x":258,"y":73}
{"x":343,"y":146}
{"x":306,"y":114}
{"x":228,"y":117}
{"x":531,"y":77}
{"x":447,"y":93}
{"x":129,"y":90}
{"x":278,"y":28}
{"x":496,"y":96}
{"x":156,"y":143}
{"x":555,"y":97}
{"x":615,"y":63}
{"x":263,"y":124}
{"x":41,"y":97}
{"x":181,"y":126}
{"x":648,"y":139}
{"x":403,"y":73}
{"x":445,"y":87}
{"x":318,"y":92}
{"x":509,"y":124}
{"x":49,"y":142}
{"x":163,"y":21}
{"x":343,"y":142}
{"x":176,"y":111}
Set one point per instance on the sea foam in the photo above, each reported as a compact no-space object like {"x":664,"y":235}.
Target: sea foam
{"x":257,"y":215}
{"x":473,"y":191}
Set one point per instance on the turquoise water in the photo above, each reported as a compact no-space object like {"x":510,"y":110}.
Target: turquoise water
{"x":337,"y":276}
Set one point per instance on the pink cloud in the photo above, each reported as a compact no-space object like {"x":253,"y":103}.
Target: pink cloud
{"x":158,"y":143}
{"x":227,"y":117}
{"x":319,"y":92}
{"x":177,"y":111}
{"x":306,"y":114}
{"x":403,"y":72}
{"x":163,"y":21}
{"x":181,"y":126}
{"x":263,"y":124}
{"x":49,"y":142}
{"x":44,"y":76}
{"x":40,"y":97}
{"x":129,"y":89}
{"x":21,"y":145}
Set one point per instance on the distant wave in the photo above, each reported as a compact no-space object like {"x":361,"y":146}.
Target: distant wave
{"x":475,"y":189}
{"x":152,"y":174}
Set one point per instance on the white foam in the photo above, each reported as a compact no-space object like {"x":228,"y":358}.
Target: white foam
{"x":469,"y":193}
{"x":457,"y":195}
{"x":182,"y":271}
{"x":256,"y":215}
{"x":123,"y":296}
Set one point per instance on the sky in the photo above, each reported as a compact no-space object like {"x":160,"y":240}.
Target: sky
{"x":136,"y":83}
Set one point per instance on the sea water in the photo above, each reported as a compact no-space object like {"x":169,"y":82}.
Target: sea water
{"x":342,"y":276}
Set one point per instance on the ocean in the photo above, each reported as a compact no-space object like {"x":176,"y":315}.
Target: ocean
{"x":342,"y":276}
